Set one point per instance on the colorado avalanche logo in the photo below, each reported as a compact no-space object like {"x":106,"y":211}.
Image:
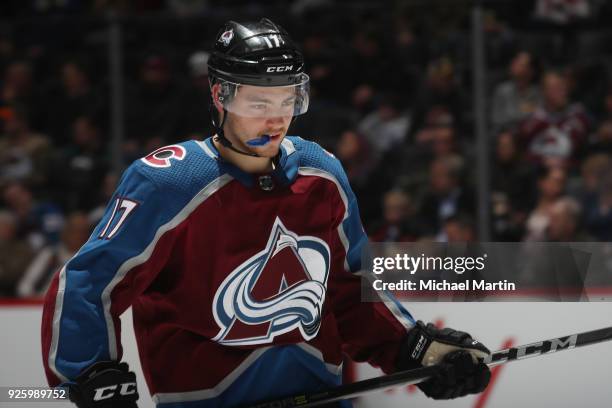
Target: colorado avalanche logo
{"x":226,"y":37}
{"x":554,"y":142}
{"x":277,"y":290}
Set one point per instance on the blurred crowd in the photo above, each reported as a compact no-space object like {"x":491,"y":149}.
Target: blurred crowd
{"x":391,"y":89}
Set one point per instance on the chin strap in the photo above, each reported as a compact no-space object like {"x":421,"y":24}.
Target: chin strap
{"x":221,"y":135}
{"x":226,"y":143}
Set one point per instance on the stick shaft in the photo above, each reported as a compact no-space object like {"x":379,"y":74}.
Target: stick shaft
{"x":418,"y":375}
{"x":549,"y":346}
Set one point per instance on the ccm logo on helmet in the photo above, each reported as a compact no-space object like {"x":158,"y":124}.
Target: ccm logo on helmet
{"x":104,"y":393}
{"x":283,"y":68}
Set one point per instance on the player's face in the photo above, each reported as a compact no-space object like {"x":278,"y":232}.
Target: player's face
{"x":259,"y":111}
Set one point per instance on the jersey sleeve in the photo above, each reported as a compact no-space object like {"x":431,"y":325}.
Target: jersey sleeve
{"x":371,"y":331}
{"x":118,"y":262}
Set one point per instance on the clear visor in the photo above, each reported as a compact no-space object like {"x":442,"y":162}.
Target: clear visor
{"x":265,"y":101}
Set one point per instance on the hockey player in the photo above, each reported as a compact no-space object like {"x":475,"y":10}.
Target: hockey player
{"x":238,"y":256}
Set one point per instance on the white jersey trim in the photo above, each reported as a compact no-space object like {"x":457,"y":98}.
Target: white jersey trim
{"x":207,"y":149}
{"x":57,"y":313}
{"x":289,"y":146}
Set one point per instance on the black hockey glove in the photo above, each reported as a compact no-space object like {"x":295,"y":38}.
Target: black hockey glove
{"x":456,"y":352}
{"x":106,"y":384}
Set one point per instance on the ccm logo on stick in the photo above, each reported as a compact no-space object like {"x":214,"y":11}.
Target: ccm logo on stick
{"x":533,"y":349}
{"x":283,"y":68}
{"x":104,"y":393}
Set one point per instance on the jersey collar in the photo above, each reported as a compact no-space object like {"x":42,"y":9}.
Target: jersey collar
{"x":286,"y":168}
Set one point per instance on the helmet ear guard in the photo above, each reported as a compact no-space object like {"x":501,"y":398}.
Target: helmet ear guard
{"x":222,"y":93}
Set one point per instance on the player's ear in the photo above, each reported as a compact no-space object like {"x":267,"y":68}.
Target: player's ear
{"x":215,"y":91}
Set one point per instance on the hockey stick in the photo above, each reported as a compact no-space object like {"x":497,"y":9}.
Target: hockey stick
{"x":421,"y":374}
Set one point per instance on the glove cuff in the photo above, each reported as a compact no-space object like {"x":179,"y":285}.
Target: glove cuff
{"x":413,"y":347}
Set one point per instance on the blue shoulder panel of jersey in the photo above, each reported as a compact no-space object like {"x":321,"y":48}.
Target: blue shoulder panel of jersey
{"x":187,"y":167}
{"x":313,"y":156}
{"x":151,"y":199}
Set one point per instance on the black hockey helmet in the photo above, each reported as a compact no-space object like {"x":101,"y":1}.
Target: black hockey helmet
{"x":260,"y":54}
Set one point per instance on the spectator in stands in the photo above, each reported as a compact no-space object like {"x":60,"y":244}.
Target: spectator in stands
{"x":154,"y":106}
{"x":24,"y":154}
{"x":399,"y":223}
{"x":598,"y":210}
{"x":195,"y":115}
{"x":500,"y":39}
{"x":49,"y":259}
{"x":75,"y":96}
{"x":37,"y":223}
{"x":438,"y":140}
{"x":361,"y":164}
{"x":592,"y":174}
{"x":444,"y":142}
{"x":551,"y":186}
{"x":356,"y":155}
{"x":411,"y":48}
{"x":556,"y":266}
{"x":556,"y":132}
{"x":17,"y":86}
{"x":601,"y":140}
{"x":85,"y":159}
{"x":447,"y":195}
{"x":7,"y":47}
{"x":564,"y":224}
{"x":361,"y":84}
{"x":387,"y":126}
{"x":318,"y":52}
{"x":512,"y":189}
{"x":459,"y":228}
{"x":439,"y":93}
{"x":14,"y":254}
{"x":516,"y":98}
{"x":103,"y":197}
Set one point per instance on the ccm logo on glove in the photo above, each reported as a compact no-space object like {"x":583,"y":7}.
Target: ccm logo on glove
{"x":416,"y":354}
{"x":103,"y":393}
